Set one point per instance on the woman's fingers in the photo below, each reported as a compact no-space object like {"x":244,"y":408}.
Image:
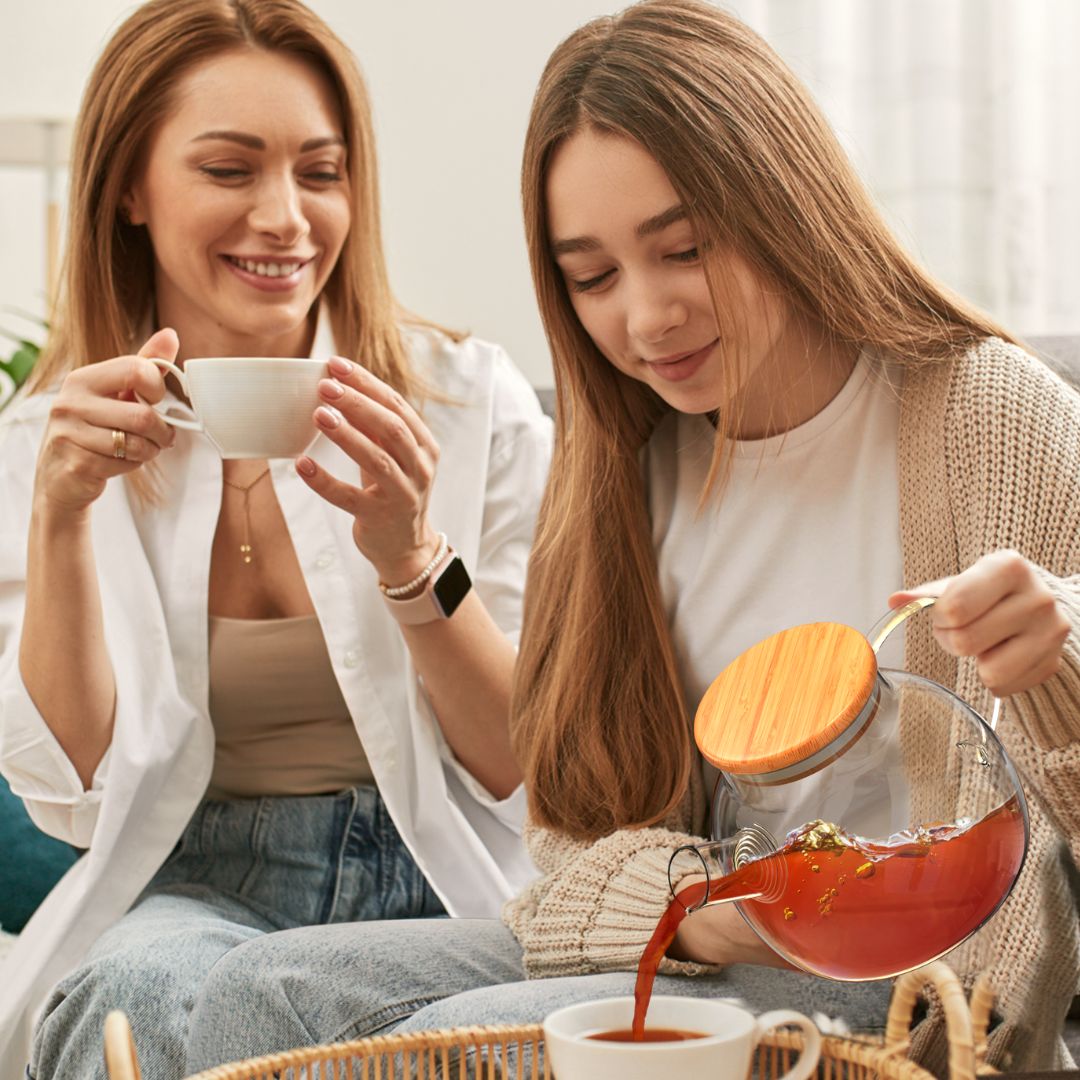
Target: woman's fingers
{"x":393,"y":404}
{"x":378,"y":464}
{"x":137,"y":419}
{"x":344,"y":496}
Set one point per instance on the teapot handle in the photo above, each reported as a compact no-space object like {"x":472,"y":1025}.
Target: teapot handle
{"x":888,"y":623}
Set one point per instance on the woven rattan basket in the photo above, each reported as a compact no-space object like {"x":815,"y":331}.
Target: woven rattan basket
{"x":514,"y":1053}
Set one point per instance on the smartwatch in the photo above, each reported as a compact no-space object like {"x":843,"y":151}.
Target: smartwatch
{"x":444,"y":590}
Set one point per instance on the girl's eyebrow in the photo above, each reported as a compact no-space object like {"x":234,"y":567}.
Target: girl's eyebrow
{"x":253,"y":142}
{"x":657,"y":223}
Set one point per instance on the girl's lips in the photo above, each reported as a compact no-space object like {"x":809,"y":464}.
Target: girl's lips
{"x":683,"y":368}
{"x":264,"y":282}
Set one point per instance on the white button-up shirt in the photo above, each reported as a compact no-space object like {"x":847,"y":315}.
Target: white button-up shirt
{"x":154,"y":567}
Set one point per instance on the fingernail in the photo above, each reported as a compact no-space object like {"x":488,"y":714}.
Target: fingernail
{"x":328,"y":416}
{"x":305,"y":465}
{"x":331,"y":388}
{"x":339,"y":365}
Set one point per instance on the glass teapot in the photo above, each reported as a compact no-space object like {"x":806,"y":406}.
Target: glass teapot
{"x":865,"y":820}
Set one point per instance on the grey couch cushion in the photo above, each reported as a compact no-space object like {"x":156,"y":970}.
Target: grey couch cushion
{"x":1062,"y":353}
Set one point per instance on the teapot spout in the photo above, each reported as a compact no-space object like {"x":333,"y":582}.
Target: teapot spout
{"x":737,"y":868}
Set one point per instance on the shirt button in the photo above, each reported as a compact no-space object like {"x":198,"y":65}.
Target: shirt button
{"x":323,"y":561}
{"x":352,"y":658}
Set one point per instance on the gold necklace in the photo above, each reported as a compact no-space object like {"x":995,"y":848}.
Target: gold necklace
{"x":245,"y":489}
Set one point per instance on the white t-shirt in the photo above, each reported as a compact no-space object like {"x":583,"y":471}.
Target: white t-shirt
{"x":806,"y":530}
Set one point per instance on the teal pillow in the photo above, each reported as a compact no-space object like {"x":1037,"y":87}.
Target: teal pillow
{"x":33,"y":862}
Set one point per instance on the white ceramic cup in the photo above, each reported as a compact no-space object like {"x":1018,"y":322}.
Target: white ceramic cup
{"x":730,"y":1034}
{"x":250,"y":406}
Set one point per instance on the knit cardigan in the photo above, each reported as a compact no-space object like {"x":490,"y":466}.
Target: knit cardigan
{"x":989,"y":458}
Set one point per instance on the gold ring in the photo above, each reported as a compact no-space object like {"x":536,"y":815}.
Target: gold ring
{"x":119,"y":444}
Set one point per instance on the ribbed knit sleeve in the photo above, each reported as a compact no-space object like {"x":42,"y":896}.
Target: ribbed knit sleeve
{"x":596,"y":905}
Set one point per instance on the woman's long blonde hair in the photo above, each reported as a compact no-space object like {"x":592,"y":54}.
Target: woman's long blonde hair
{"x":106,"y":291}
{"x":598,"y":720}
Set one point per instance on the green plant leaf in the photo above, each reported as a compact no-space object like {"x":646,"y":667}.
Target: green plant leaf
{"x":19,"y":363}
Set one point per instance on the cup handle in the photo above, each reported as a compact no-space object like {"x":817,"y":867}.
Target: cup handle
{"x":175,"y":421}
{"x":807,"y":1064}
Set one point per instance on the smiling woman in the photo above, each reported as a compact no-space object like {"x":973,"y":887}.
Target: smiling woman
{"x":247,"y":223}
{"x":231,"y":681}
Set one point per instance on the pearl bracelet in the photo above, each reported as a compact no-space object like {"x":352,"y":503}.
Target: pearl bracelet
{"x":396,"y":591}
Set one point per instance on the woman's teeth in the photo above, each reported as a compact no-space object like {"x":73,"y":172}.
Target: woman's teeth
{"x":266,"y":269}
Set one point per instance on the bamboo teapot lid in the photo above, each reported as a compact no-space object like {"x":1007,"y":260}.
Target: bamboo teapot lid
{"x":786,"y":699}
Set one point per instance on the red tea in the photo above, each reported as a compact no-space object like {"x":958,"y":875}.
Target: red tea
{"x":852,"y":909}
{"x":648,"y":1035}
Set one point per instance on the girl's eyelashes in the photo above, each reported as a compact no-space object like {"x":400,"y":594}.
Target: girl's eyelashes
{"x":688,"y":257}
{"x":590,"y":283}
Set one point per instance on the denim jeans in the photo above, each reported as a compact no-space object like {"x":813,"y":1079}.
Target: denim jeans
{"x":336,"y":983}
{"x":243,"y":869}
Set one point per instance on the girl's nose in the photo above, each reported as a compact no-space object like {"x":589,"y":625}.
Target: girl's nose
{"x":653,"y":314}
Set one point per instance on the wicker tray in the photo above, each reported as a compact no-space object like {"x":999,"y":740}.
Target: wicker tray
{"x":513,"y":1053}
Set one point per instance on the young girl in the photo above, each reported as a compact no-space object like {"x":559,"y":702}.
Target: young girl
{"x":768,"y":415}
{"x":201,"y":681}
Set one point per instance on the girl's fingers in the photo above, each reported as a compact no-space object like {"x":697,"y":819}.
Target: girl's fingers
{"x":1018,"y":664}
{"x":368,"y":386}
{"x":1017,"y":614}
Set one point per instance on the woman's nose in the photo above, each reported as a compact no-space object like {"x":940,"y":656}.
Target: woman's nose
{"x":278,"y":211}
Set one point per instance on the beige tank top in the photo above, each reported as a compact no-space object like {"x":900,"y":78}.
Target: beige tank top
{"x":281,"y":724}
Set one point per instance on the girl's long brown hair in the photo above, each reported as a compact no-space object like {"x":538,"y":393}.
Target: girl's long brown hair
{"x":106,"y":290}
{"x":598,"y":720}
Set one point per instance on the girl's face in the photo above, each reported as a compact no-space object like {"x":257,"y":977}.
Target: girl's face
{"x":631,"y":263}
{"x":244,"y":191}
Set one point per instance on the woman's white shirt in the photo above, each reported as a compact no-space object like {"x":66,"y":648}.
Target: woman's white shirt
{"x":153,"y":566}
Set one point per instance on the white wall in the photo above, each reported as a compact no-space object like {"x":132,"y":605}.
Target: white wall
{"x":451,"y":84}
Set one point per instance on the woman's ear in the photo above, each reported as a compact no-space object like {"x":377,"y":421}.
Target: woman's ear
{"x":131,"y":209}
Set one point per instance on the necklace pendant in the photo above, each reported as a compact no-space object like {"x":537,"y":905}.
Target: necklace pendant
{"x":245,"y":552}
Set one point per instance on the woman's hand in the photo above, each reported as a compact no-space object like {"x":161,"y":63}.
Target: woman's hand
{"x":397,"y":455}
{"x":78,"y":453}
{"x":999,"y":611}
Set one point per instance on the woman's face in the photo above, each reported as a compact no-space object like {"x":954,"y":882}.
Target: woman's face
{"x":624,"y":246}
{"x":244,"y":191}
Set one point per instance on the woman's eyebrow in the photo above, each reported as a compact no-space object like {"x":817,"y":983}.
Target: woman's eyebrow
{"x":650,"y":226}
{"x":253,"y":142}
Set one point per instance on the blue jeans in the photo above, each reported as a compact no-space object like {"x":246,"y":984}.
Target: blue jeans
{"x":336,"y":983}
{"x":243,"y":869}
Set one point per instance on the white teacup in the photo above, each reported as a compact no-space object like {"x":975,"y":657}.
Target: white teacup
{"x":250,"y":406}
{"x":723,"y":1053}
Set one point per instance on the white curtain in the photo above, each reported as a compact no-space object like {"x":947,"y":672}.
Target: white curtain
{"x":963,"y":116}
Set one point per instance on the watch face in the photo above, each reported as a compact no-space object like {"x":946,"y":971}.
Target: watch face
{"x":452,"y":586}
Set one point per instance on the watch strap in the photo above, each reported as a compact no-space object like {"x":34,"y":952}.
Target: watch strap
{"x":443,"y":591}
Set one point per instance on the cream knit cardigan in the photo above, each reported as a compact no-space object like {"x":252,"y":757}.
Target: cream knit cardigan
{"x":989,"y":458}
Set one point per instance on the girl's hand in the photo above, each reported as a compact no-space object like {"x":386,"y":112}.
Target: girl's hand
{"x":79,"y":451}
{"x":397,"y":455}
{"x":999,"y":611}
{"x":718,"y":934}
